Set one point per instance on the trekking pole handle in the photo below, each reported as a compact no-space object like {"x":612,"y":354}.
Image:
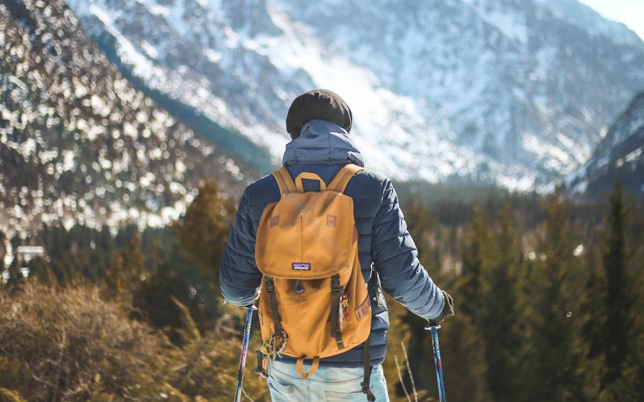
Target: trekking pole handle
{"x":432,"y":324}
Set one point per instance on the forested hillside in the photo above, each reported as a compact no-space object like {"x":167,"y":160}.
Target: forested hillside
{"x":78,"y":143}
{"x":545,"y":289}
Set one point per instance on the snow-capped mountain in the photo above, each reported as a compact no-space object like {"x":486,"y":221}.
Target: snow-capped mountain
{"x":619,"y":155}
{"x":516,"y":92}
{"x":80,"y":145}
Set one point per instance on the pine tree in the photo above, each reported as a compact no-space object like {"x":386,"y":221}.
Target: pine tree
{"x":479,"y":254}
{"x":422,"y":226}
{"x":617,"y":293}
{"x":463,"y":342}
{"x":127,"y":273}
{"x":502,"y":309}
{"x":554,"y":347}
{"x":617,"y":341}
{"x":205,"y":227}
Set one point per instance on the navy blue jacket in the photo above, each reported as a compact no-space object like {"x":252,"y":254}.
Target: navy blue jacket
{"x":385,"y":246}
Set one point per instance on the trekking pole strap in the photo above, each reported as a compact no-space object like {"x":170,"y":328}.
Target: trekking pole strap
{"x":366,"y":389}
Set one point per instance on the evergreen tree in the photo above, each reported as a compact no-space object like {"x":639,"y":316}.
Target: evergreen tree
{"x":127,"y":273}
{"x":422,"y":226}
{"x":618,"y":303}
{"x":205,"y":227}
{"x":464,"y":361}
{"x":170,"y":281}
{"x":616,"y":328}
{"x":463,"y":341}
{"x":502,"y":310}
{"x":479,"y":254}
{"x":637,"y":357}
{"x":553,"y":357}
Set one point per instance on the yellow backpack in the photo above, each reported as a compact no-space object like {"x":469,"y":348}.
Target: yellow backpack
{"x":314,"y":302}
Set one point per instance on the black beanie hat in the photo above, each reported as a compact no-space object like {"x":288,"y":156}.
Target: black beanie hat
{"x":318,"y":104}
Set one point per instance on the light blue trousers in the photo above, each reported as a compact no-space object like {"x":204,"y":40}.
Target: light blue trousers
{"x":326,"y":384}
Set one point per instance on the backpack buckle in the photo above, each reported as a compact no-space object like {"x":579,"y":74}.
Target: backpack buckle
{"x":270,"y":285}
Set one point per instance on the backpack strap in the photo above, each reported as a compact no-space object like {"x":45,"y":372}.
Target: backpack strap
{"x":270,"y":290}
{"x":346,"y":173}
{"x":339,"y":182}
{"x":284,"y":181}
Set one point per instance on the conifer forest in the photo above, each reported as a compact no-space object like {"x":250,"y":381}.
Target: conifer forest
{"x":547,"y":292}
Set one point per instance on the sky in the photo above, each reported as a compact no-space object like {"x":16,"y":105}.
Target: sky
{"x":628,"y":12}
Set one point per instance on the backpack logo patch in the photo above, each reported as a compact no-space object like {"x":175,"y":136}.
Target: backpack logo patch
{"x":301,"y":266}
{"x":331,"y":221}
{"x":274,"y":221}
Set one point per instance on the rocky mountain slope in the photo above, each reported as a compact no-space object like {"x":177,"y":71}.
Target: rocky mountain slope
{"x":518,"y":95}
{"x":77,"y":142}
{"x":619,"y":155}
{"x":513,"y":92}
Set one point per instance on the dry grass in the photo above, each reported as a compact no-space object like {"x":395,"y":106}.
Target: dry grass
{"x":68,"y":344}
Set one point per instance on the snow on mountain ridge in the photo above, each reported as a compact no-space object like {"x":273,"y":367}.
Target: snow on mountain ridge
{"x":464,"y":89}
{"x":581,"y":15}
{"x":512,"y":26}
{"x":619,"y":155}
{"x":326,"y":70}
{"x":467,"y":57}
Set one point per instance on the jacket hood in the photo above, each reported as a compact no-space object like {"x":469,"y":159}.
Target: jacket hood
{"x":323,"y":142}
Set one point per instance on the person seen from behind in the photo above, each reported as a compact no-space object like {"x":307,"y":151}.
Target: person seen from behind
{"x":319,"y":123}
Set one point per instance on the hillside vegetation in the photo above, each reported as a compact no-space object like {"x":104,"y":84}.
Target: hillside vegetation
{"x":547,"y":308}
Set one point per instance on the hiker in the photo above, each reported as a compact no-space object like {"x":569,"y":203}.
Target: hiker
{"x":319,"y":123}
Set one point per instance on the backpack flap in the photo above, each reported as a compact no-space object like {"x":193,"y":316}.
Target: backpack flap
{"x":306,"y":236}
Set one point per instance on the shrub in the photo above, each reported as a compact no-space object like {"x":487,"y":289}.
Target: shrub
{"x":69,"y":344}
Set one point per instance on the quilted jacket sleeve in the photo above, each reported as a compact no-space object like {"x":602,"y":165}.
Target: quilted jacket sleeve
{"x":396,"y":259}
{"x":239,"y":277}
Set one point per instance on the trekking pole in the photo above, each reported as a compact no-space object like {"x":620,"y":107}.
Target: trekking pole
{"x":244,"y":351}
{"x":433,"y":326}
